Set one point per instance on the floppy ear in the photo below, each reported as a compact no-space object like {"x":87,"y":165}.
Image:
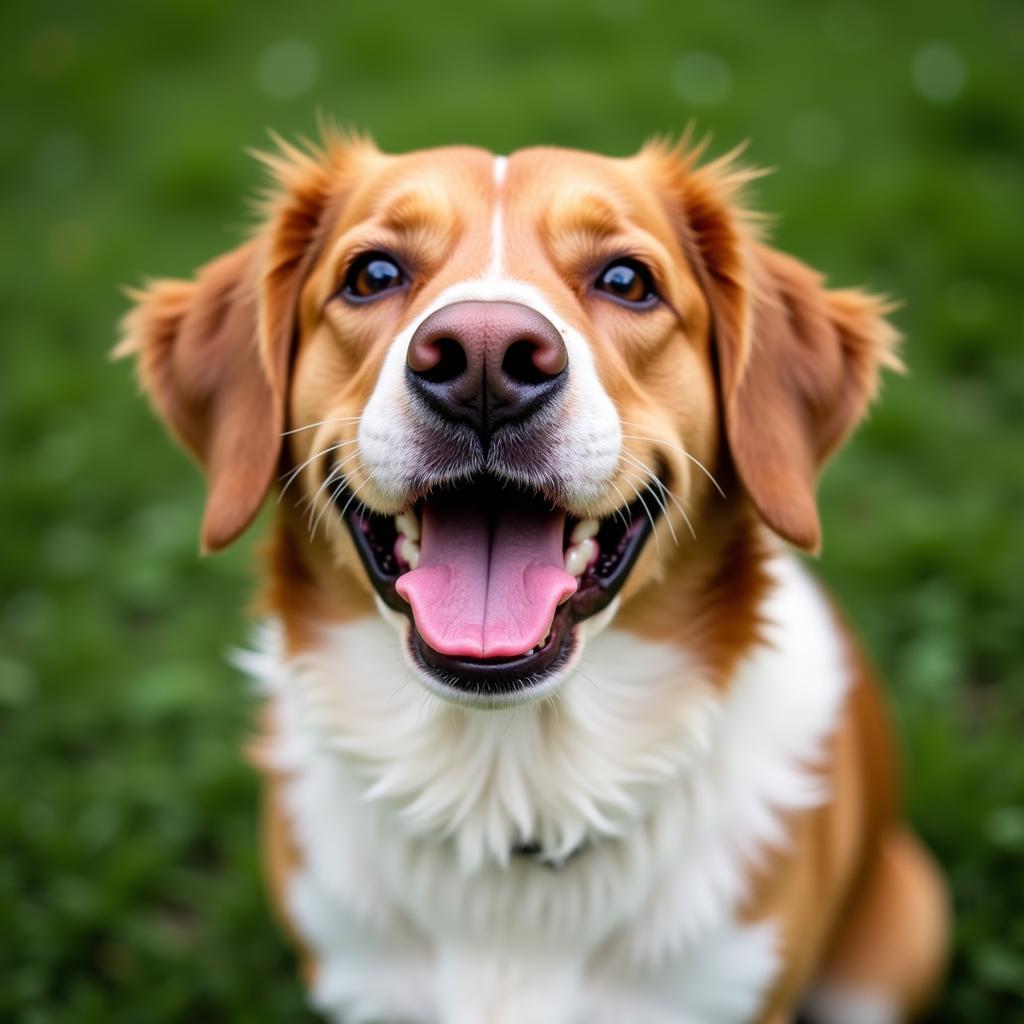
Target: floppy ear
{"x":214,"y":353}
{"x":199,"y":361}
{"x":795,"y":383}
{"x":798,"y":364}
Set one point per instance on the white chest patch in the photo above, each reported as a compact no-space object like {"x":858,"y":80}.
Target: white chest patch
{"x":406,"y":808}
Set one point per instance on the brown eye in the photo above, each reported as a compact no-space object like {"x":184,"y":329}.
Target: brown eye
{"x":628,"y":282}
{"x":371,"y":275}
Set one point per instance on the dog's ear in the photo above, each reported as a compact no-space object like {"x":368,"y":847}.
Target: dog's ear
{"x":214,"y":353}
{"x":796,"y":378}
{"x":798,"y":364}
{"x":197,"y":344}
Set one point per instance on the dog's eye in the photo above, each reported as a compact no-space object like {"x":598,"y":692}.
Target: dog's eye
{"x":629,"y":282}
{"x":370,"y":275}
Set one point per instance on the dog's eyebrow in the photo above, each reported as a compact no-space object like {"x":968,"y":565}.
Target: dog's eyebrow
{"x":586,"y":213}
{"x":418,"y":209}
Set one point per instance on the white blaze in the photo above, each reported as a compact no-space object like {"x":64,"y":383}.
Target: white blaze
{"x":497,"y":221}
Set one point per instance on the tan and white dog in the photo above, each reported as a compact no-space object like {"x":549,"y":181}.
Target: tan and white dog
{"x":558,"y":729}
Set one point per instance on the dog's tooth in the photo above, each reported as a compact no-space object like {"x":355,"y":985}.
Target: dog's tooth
{"x":407,"y":523}
{"x":573,"y":561}
{"x":584,"y":530}
{"x":579,"y":556}
{"x":410,"y":551}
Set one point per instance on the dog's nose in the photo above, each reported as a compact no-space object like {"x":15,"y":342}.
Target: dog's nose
{"x":486,"y":363}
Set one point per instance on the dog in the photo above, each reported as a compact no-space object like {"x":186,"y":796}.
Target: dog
{"x":558,"y":728}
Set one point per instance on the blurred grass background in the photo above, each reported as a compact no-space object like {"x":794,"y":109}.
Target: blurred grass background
{"x":129,"y":876}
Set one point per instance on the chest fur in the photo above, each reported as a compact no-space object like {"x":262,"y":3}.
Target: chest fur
{"x":405,"y":810}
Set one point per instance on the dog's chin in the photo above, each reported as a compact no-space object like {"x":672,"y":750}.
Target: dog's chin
{"x":498,"y":609}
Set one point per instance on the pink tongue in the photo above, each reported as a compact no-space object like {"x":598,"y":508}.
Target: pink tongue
{"x":487,"y":589}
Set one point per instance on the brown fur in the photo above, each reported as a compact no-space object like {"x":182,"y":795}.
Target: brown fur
{"x":750,"y":364}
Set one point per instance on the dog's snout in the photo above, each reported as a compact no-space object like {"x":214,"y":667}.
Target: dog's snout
{"x":486,"y":363}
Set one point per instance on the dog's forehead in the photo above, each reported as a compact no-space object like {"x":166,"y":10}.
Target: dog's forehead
{"x":550,"y":175}
{"x":405,"y":187}
{"x":541,"y":188}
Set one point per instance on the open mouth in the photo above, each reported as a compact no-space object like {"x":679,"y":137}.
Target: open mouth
{"x":494,"y":579}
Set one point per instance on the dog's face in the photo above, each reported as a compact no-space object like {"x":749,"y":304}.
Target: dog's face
{"x":502,"y":354}
{"x":488,"y":381}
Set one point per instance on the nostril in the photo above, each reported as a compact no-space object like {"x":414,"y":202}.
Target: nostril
{"x":451,"y":362}
{"x":519,"y":363}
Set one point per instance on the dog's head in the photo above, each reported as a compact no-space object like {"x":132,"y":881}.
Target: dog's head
{"x":487,"y":381}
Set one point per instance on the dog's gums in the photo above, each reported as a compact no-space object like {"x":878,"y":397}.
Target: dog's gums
{"x":494,"y":579}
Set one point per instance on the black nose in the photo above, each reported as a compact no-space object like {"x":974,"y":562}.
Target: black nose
{"x":486,"y":363}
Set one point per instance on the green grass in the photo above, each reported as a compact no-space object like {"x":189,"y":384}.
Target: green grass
{"x":129,"y":876}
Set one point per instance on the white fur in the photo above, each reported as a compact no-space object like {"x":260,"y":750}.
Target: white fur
{"x":405,"y":808}
{"x":497,"y":267}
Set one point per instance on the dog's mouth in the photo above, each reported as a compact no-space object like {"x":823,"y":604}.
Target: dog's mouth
{"x":495,"y":578}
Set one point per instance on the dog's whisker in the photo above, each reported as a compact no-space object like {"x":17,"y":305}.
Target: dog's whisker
{"x":621,"y":510}
{"x":313,"y":500}
{"x":351,"y":498}
{"x":662,"y":506}
{"x":682,"y":451}
{"x":647,"y":511}
{"x":333,"y":498}
{"x":665,"y":490}
{"x":659,"y":498}
{"x":321,"y":423}
{"x":327,"y":503}
{"x":292,"y":474}
{"x":310,"y":499}
{"x":335,"y":475}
